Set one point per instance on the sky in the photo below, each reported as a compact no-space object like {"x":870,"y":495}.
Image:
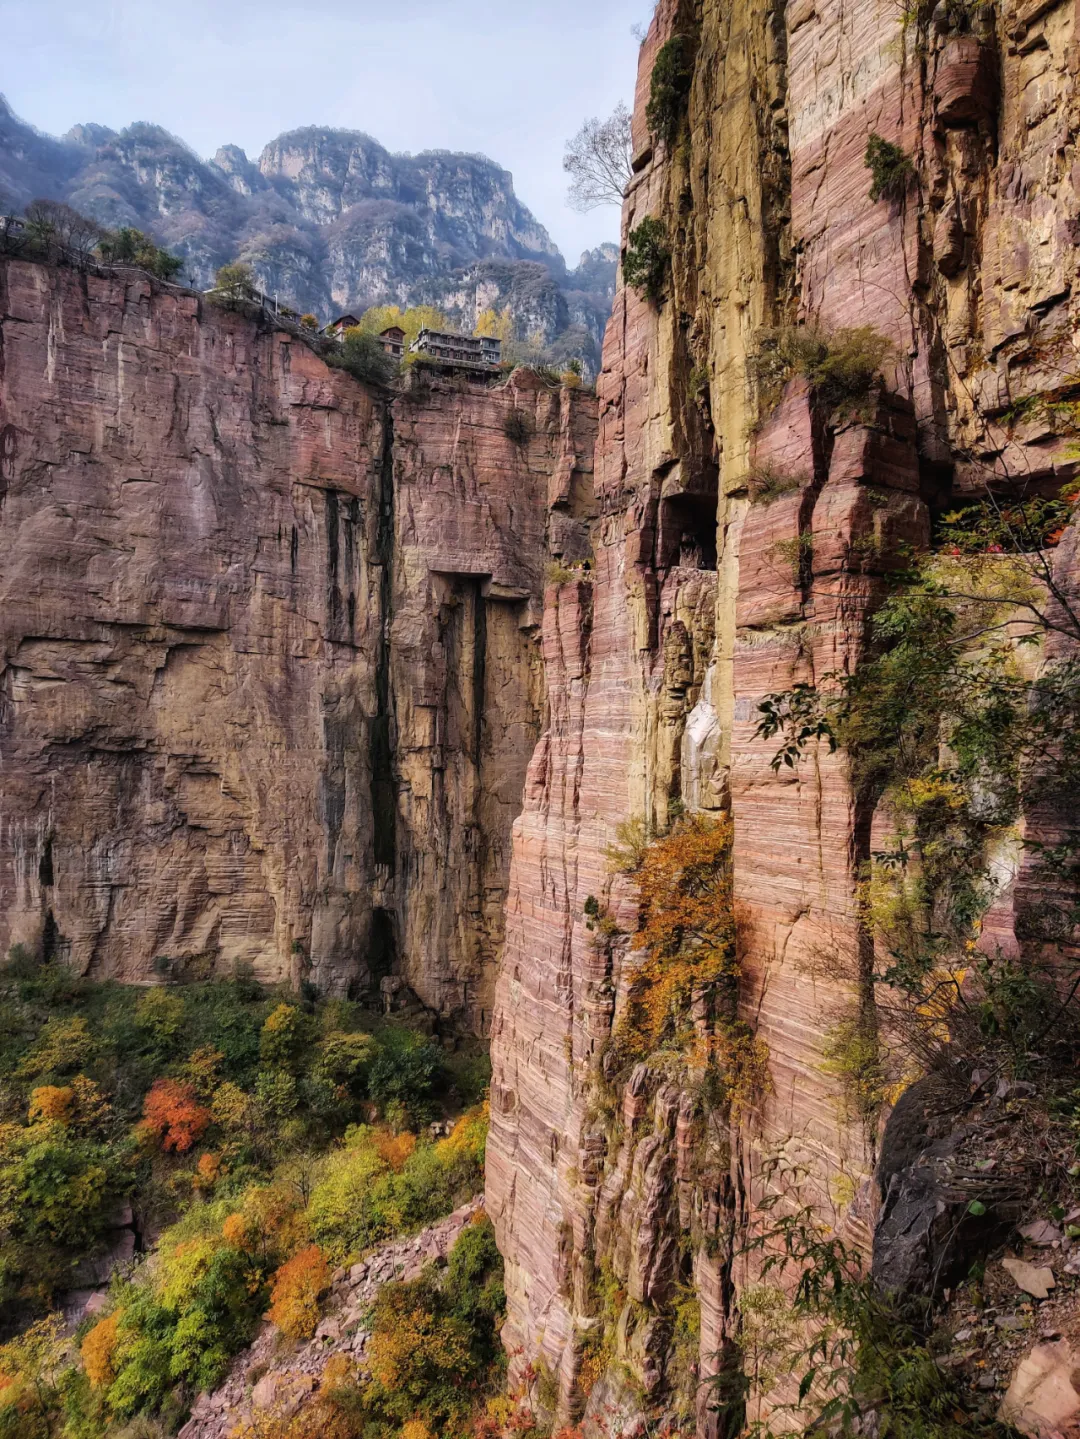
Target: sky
{"x":512,"y":79}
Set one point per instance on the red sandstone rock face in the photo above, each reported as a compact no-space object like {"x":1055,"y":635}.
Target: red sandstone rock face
{"x":227,"y":579}
{"x":971,"y":276}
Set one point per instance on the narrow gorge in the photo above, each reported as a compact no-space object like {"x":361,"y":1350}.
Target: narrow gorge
{"x":411,"y":693}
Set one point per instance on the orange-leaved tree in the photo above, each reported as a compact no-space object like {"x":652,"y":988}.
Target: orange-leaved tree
{"x":173,"y":1115}
{"x":294,"y":1300}
{"x":98,"y":1349}
{"x":686,"y":929}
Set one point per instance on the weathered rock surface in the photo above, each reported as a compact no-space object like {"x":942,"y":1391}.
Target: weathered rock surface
{"x":268,"y":670}
{"x":972,"y":275}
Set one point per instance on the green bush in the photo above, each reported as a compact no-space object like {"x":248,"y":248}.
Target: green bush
{"x":647,"y":258}
{"x":360,"y":1198}
{"x":363,"y":357}
{"x":187,"y":1315}
{"x":669,"y":90}
{"x":889,"y":167}
{"x":131,"y":247}
{"x":403,"y":1073}
{"x":434,"y":1348}
{"x":235,"y":284}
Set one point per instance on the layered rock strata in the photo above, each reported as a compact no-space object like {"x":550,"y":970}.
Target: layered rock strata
{"x":741,"y":546}
{"x":268,"y":672}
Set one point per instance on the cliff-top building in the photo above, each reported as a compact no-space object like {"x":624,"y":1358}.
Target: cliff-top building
{"x":478,"y":350}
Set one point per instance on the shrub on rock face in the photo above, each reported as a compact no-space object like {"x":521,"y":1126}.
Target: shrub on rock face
{"x":516,"y":427}
{"x":841,"y":366}
{"x":890,"y":168}
{"x":645,"y":264}
{"x":673,"y":71}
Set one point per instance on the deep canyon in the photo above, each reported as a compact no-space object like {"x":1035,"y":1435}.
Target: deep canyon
{"x":360,"y":687}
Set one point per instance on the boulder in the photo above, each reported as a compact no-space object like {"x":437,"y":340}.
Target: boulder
{"x":1043,"y":1400}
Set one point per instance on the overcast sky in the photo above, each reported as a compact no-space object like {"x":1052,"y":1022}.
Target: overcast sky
{"x":512,"y":80}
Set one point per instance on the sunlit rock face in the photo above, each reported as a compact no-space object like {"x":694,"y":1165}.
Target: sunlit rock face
{"x":270,"y":671}
{"x":710,"y":592}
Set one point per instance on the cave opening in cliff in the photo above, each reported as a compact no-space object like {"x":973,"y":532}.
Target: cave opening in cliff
{"x":50,"y":938}
{"x":686,"y":533}
{"x":45,"y":865}
{"x":382,"y":949}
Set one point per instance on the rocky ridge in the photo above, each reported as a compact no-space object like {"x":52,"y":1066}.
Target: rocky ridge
{"x":330,"y":222}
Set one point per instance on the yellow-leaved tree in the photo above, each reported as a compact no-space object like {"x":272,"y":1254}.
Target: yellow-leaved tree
{"x":412,"y":321}
{"x":495,"y":324}
{"x":294,"y":1301}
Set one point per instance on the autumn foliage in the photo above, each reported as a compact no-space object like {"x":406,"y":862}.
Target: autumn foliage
{"x":394,"y":1148}
{"x":294,"y":1300}
{"x":52,"y":1102}
{"x":173,"y":1115}
{"x":98,"y":1349}
{"x":686,"y":928}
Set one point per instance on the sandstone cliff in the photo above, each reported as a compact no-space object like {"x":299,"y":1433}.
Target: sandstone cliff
{"x":269,"y":661}
{"x":656,"y":669}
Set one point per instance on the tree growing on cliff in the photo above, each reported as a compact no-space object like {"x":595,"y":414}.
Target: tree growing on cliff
{"x":597,"y":160}
{"x":361,"y":355}
{"x":128,"y":246}
{"x":647,"y":258}
{"x":59,"y":231}
{"x":235,"y":283}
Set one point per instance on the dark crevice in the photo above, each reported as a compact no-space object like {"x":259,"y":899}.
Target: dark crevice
{"x":45,"y":865}
{"x":383,"y":789}
{"x":382,"y":948}
{"x":333,"y":564}
{"x":50,"y":938}
{"x":479,"y":674}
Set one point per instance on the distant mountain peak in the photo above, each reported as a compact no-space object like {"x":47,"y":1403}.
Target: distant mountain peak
{"x":330,"y":220}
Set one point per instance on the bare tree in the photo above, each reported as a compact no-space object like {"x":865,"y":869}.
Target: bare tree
{"x":598,"y":161}
{"x":58,"y":228}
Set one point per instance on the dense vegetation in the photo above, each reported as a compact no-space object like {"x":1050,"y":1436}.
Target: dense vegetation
{"x":669,"y":87}
{"x":265,"y":1138}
